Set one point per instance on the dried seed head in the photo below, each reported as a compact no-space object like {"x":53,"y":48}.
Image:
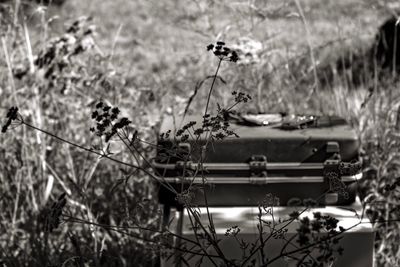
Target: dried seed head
{"x":11,"y":116}
{"x":104,"y":121}
{"x":223,"y":52}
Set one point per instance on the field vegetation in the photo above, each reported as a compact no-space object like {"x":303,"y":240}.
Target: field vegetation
{"x":149,"y":58}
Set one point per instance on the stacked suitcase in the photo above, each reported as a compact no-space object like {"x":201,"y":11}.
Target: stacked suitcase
{"x":300,"y":160}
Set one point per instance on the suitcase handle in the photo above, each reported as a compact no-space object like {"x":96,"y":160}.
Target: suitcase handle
{"x":258,"y":180}
{"x":274,"y":166}
{"x":240,"y":166}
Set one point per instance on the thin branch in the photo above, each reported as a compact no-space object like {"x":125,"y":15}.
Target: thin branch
{"x":212,"y":86}
{"x":97,"y":153}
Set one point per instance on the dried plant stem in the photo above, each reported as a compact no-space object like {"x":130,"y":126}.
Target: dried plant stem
{"x":120,"y":229}
{"x":114,"y":43}
{"x":16,"y":9}
{"x":145,"y":160}
{"x":29,"y":49}
{"x":45,"y":26}
{"x":210,"y":238}
{"x":16,"y":204}
{"x":36,"y":101}
{"x":260,"y":236}
{"x":308,"y":37}
{"x":72,"y":219}
{"x":210,"y":220}
{"x":10,"y":73}
{"x":58,"y":178}
{"x":89,"y":174}
{"x":212,"y":86}
{"x":198,"y":241}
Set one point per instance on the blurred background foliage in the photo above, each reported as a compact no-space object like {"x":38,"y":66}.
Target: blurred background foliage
{"x":146,"y":57}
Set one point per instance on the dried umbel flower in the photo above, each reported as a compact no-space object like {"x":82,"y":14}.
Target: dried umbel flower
{"x":53,"y":218}
{"x":12,"y":115}
{"x":269,"y":202}
{"x":106,"y":121}
{"x":308,"y":233}
{"x":217,"y":125}
{"x":223,"y":52}
{"x":232,"y":231}
{"x":185,"y":198}
{"x":59,"y":65}
{"x":241,"y":97}
{"x":294,"y":215}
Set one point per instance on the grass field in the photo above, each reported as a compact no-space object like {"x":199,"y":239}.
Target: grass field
{"x":147,"y":57}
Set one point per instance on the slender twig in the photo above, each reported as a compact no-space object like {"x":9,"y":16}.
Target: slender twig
{"x":288,"y":242}
{"x":196,"y":89}
{"x":165,"y":183}
{"x":10,"y":72}
{"x":212,"y":86}
{"x":72,"y":219}
{"x":308,"y":37}
{"x":197,"y":237}
{"x":210,"y":238}
{"x":165,"y":244}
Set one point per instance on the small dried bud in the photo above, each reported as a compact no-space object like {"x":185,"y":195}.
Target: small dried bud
{"x":12,"y":115}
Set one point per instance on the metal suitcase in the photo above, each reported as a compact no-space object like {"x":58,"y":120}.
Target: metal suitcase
{"x":296,"y":158}
{"x":357,"y":242}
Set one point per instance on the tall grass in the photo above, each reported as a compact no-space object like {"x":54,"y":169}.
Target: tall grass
{"x":148,"y":69}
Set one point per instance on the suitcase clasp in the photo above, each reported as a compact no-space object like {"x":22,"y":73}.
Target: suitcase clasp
{"x":333,"y":149}
{"x":331,"y":164}
{"x":258,"y":166}
{"x":184,"y":150}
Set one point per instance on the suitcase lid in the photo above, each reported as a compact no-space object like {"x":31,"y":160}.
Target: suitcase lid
{"x":301,"y":139}
{"x":279,"y":126}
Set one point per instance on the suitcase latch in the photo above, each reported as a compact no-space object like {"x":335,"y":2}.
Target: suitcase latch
{"x":183,"y":151}
{"x":333,"y":150}
{"x":258,"y":166}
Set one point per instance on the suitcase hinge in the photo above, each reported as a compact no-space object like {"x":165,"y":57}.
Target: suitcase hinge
{"x":258,"y":166}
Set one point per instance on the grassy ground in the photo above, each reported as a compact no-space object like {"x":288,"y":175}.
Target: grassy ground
{"x":179,"y":31}
{"x":152,"y":54}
